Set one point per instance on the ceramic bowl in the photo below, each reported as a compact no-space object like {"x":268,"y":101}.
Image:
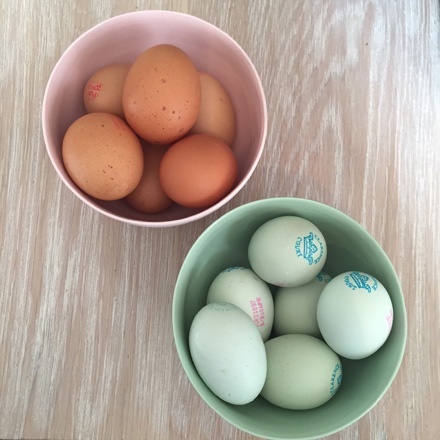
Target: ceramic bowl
{"x":350,"y":247}
{"x":122,"y":39}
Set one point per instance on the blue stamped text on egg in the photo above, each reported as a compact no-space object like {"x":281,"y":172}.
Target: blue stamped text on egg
{"x":357,"y":280}
{"x":310,"y":248}
{"x":231,"y":269}
{"x":323,"y":277}
{"x":336,"y":379}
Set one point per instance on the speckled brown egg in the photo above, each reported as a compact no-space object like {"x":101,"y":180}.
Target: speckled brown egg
{"x":161,"y":96}
{"x":103,"y":90}
{"x":216,"y":115}
{"x":198,"y":170}
{"x":148,"y":196}
{"x":103,"y":156}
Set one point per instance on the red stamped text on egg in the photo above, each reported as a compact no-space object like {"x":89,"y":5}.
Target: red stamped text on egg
{"x":389,"y":319}
{"x":257,"y":311}
{"x":93,"y":89}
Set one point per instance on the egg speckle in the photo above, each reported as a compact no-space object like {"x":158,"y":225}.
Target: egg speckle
{"x":161,"y":96}
{"x":103,"y":156}
{"x":228,"y":352}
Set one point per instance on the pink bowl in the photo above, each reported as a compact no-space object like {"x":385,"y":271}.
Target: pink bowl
{"x":122,"y":39}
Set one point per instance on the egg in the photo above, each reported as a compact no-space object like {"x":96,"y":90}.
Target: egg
{"x":161,"y":95}
{"x":355,"y":314}
{"x":228,"y":352}
{"x":103,"y":156}
{"x":242,"y":287}
{"x":287,"y":251}
{"x":103,"y":90}
{"x":149,"y":196}
{"x":198,"y":170}
{"x":302,"y":372}
{"x":295,"y":307}
{"x":216,"y":114}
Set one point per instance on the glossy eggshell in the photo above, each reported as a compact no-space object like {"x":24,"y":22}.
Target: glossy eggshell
{"x":103,"y":90}
{"x":216,"y":115}
{"x":198,"y":170}
{"x":228,"y":352}
{"x":161,"y":96}
{"x":148,"y":196}
{"x":302,"y":372}
{"x":103,"y":156}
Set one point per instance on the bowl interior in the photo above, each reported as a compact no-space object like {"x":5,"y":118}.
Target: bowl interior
{"x":122,"y":39}
{"x":350,"y":247}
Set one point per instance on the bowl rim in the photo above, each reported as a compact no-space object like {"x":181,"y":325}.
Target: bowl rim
{"x":45,"y":117}
{"x":178,"y":303}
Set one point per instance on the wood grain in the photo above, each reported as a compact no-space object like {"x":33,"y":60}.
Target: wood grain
{"x":86,"y":343}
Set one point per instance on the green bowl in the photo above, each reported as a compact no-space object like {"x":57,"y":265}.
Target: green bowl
{"x":350,"y":247}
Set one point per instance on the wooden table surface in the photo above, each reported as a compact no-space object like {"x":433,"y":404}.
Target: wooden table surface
{"x":86,"y":342}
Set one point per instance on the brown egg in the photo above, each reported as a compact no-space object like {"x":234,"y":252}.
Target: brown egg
{"x":198,"y":170}
{"x":103,"y":90}
{"x":103,"y":156}
{"x":216,"y":115}
{"x":149,"y":196}
{"x":161,"y":96}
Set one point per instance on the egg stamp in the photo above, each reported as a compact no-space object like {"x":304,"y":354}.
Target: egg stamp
{"x":354,"y":314}
{"x":242,"y":287}
{"x":310,"y":248}
{"x":356,"y":280}
{"x":287,"y":251}
{"x":336,"y":379}
{"x":302,"y":372}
